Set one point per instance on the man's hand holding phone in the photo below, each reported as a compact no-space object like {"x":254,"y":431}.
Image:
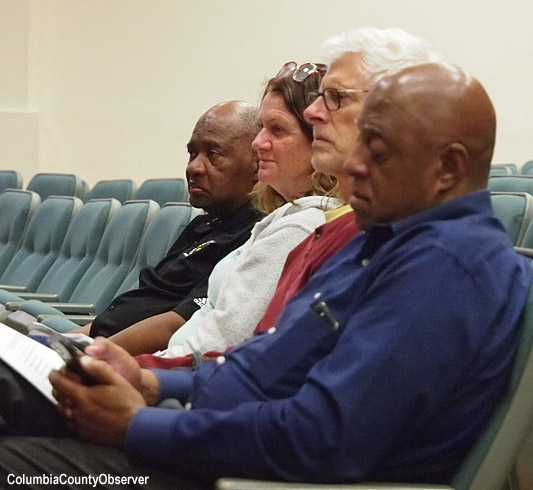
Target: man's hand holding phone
{"x":101,"y":411}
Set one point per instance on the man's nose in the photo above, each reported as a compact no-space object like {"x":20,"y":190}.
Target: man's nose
{"x":356,"y":165}
{"x":316,"y":111}
{"x":196,"y":166}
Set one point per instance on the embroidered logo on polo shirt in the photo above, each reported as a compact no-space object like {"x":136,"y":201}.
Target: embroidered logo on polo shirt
{"x":200,"y":301}
{"x":198,"y":248}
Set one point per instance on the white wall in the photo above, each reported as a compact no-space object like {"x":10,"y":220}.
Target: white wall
{"x":112,"y":88}
{"x":18,"y":125}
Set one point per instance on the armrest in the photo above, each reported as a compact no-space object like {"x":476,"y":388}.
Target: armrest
{"x":13,"y":289}
{"x":13,"y":305}
{"x":80,"y":320}
{"x":528,"y":252}
{"x":42,"y":317}
{"x":44,"y":297}
{"x":241,"y":484}
{"x":74,"y":308}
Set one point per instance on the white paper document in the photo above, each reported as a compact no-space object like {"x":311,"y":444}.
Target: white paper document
{"x":29,"y":358}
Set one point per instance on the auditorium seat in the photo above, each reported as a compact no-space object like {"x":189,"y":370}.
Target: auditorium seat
{"x":515,"y":211}
{"x":527,"y":168}
{"x":511,"y":183}
{"x":122,"y":190}
{"x":50,"y":184}
{"x":510,"y":167}
{"x":163,"y":190}
{"x":41,"y":244}
{"x":114,"y":258}
{"x":10,"y":179}
{"x":16,"y":210}
{"x":498,"y":171}
{"x":501,"y":169}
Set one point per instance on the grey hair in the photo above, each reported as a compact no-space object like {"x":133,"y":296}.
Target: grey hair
{"x":383,"y":51}
{"x":249,"y":118}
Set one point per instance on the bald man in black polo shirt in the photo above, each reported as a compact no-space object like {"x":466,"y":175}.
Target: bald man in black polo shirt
{"x":221,"y":173}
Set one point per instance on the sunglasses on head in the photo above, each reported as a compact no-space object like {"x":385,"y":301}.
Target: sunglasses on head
{"x":300,"y":73}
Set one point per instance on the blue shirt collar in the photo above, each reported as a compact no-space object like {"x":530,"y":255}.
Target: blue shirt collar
{"x":471,"y":203}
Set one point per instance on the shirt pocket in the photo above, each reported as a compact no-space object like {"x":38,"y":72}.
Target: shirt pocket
{"x":280,"y":362}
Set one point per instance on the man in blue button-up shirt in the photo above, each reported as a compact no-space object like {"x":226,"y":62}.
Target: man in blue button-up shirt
{"x":386,"y":366}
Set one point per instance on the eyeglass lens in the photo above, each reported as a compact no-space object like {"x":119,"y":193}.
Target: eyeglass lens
{"x":331,"y":99}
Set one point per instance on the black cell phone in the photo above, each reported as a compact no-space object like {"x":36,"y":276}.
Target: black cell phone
{"x":71,"y":354}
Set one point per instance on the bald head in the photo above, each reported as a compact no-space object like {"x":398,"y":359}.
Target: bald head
{"x":444,"y":105}
{"x":222,"y":168}
{"x":426,"y":137}
{"x":236,"y":116}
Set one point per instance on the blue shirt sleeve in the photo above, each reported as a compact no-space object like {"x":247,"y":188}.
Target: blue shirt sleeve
{"x":174,"y":383}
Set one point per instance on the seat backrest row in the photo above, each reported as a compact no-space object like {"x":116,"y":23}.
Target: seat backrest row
{"x":161,"y":191}
{"x":58,"y":184}
{"x":511,"y":169}
{"x":83,"y":253}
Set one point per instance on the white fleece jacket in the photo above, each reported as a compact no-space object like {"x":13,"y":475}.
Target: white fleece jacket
{"x":242,"y":284}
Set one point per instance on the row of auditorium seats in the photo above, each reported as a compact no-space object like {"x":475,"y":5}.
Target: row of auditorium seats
{"x":76,"y":255}
{"x":511,"y":169}
{"x":50,"y":184}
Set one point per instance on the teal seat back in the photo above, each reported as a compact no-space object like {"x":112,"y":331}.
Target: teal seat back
{"x":115,"y":255}
{"x":163,"y":190}
{"x":42,"y":242}
{"x":122,"y":190}
{"x":489,"y":462}
{"x":508,"y":168}
{"x":527,"y":242}
{"x":16,"y":210}
{"x":498,"y":171}
{"x":79,"y":248}
{"x":511,"y":183}
{"x":160,"y":235}
{"x":515,"y":211}
{"x":10,"y":179}
{"x":527,"y":168}
{"x":48,"y":184}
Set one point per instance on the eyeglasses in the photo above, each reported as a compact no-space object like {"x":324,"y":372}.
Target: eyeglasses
{"x":332,"y":96}
{"x":300,"y":73}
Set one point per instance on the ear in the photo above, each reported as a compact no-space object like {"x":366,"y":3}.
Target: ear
{"x":454,"y":160}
